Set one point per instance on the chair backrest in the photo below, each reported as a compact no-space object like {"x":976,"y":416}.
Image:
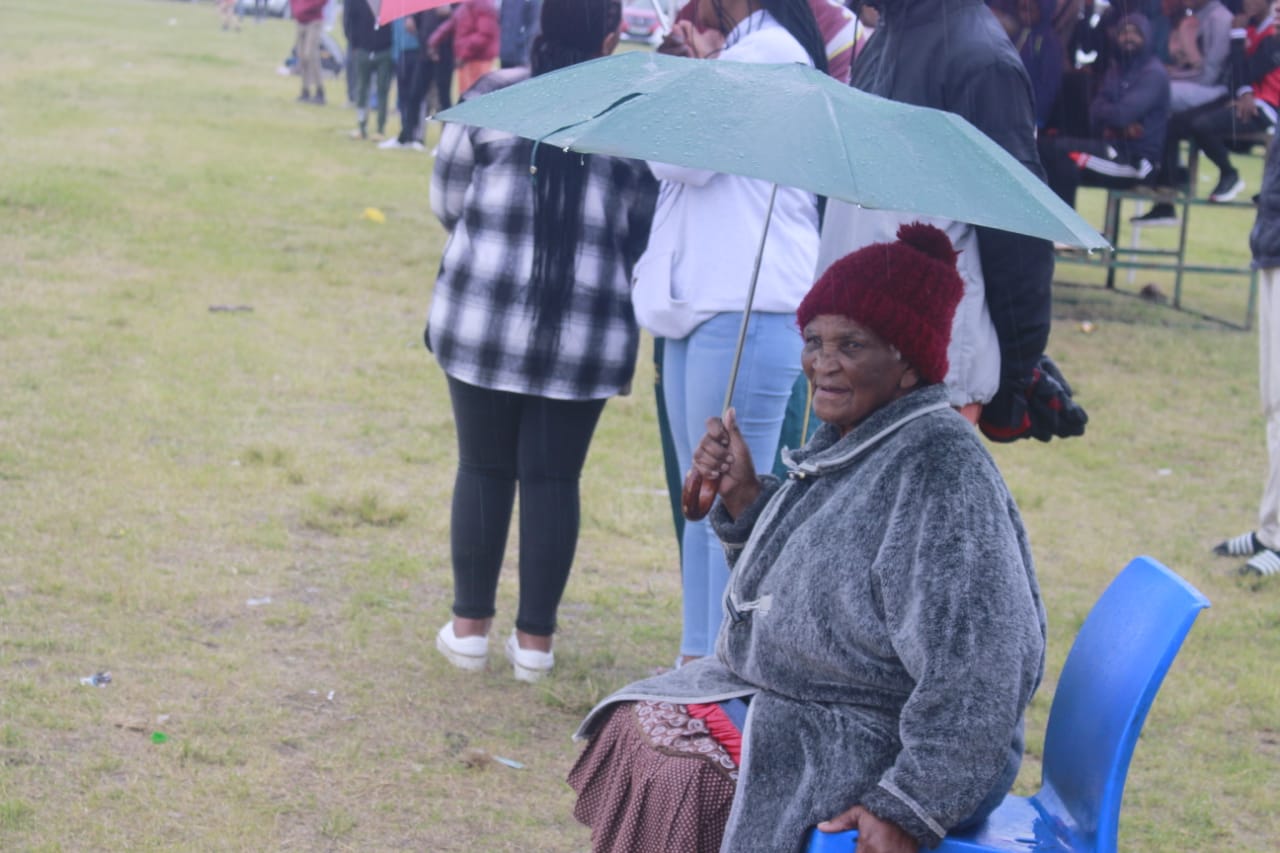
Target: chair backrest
{"x":1108,"y":683}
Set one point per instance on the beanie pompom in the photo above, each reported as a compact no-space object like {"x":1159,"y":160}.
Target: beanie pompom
{"x":929,"y":240}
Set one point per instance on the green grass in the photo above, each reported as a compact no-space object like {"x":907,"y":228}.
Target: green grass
{"x":162,"y":465}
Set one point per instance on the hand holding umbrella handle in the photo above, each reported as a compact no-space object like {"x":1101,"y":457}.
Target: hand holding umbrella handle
{"x":721,"y":466}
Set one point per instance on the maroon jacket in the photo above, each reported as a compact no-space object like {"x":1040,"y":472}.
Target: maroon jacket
{"x":306,"y":11}
{"x":474,"y":30}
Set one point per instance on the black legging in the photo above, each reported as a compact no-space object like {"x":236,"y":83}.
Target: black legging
{"x":505,"y":438}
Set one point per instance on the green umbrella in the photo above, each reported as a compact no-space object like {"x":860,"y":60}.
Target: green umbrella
{"x":784,"y":123}
{"x":788,"y":124}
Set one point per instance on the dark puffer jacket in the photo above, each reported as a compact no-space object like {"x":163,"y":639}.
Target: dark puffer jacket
{"x":362,"y":30}
{"x":953,"y":55}
{"x":1135,"y":90}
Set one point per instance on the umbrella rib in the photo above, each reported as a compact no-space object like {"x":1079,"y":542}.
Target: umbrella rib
{"x":627,"y":97}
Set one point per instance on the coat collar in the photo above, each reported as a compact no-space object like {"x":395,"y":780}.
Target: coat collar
{"x":827,"y":451}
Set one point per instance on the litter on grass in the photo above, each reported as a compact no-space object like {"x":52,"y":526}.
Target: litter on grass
{"x":98,"y":679}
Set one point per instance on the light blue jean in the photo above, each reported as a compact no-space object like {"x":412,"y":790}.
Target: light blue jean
{"x":695,"y":373}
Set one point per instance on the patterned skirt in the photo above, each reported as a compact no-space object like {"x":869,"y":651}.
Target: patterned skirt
{"x":655,"y":778}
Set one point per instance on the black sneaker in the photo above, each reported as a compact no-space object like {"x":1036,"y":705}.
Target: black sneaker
{"x":305,"y":97}
{"x":1229,"y":186}
{"x":1161,"y":215}
{"x":318,"y":100}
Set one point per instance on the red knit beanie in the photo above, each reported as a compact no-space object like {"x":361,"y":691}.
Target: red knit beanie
{"x":906,"y":292}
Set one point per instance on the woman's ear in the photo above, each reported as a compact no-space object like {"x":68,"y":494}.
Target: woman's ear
{"x":610,"y":44}
{"x":909,"y":379}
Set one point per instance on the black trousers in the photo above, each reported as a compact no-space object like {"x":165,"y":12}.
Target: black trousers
{"x":540,"y":444}
{"x":1214,"y":129}
{"x":416,"y":74}
{"x":1066,"y":176}
{"x":1178,"y":129}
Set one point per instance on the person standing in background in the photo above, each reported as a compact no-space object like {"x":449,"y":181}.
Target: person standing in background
{"x":310,"y":17}
{"x":415,"y":75}
{"x":518,"y":24}
{"x":690,"y":285}
{"x":531,"y":322}
{"x":1262,"y":544}
{"x":473,"y":29}
{"x":953,"y":55}
{"x":370,"y":51}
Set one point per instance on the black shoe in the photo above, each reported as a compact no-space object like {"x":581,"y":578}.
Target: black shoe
{"x":318,"y":100}
{"x":1229,"y":186}
{"x":305,"y":97}
{"x":1161,"y":214}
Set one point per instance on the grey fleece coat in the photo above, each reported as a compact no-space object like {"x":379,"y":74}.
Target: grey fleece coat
{"x":884,"y":618}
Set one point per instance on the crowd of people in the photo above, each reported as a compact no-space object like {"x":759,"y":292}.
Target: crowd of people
{"x":860,"y":605}
{"x":864,"y":561}
{"x":1163,"y":73}
{"x":426,"y":55}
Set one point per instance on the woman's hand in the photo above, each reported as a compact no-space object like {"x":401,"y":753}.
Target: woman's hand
{"x":722,"y":459}
{"x":686,"y":40}
{"x":874,"y":835}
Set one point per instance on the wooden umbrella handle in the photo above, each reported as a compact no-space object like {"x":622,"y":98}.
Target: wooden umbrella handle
{"x":697,"y":496}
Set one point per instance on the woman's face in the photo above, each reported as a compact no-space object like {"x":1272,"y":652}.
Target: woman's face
{"x":853,"y":371}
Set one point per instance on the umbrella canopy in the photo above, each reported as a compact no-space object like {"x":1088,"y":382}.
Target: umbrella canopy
{"x":387,"y":11}
{"x":788,"y":124}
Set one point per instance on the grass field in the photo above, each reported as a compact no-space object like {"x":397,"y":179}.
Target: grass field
{"x":243,"y":514}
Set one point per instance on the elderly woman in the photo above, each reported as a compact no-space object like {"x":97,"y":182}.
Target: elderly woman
{"x":885,"y":631}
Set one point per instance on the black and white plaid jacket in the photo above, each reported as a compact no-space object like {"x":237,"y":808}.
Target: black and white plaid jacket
{"x":481,"y":321}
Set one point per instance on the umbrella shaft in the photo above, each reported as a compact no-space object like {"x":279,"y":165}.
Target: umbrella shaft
{"x":751,"y":296}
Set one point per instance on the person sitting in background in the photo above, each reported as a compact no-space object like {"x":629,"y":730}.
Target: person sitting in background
{"x":473,"y":31}
{"x":1029,"y":24}
{"x":1256,"y":76}
{"x":369,"y":49}
{"x":1128,"y":117}
{"x":885,"y":630}
{"x":1200,"y":46}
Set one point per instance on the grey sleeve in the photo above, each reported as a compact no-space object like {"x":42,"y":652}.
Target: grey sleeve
{"x":734,"y":532}
{"x":1216,"y":38}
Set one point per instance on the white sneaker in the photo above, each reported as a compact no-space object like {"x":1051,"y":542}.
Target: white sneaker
{"x":530,"y":664}
{"x":416,"y":146}
{"x":390,"y":142}
{"x":469,"y":653}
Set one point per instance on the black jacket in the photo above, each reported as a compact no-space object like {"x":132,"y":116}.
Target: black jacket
{"x":361,"y":28}
{"x":954,"y":55}
{"x":1264,"y":240}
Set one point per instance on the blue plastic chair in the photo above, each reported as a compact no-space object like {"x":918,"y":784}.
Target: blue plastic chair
{"x":1108,"y":683}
